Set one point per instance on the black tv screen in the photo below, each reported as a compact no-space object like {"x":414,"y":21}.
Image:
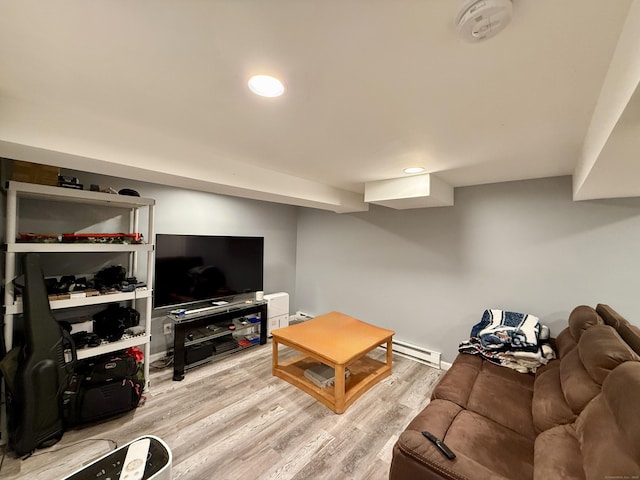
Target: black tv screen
{"x":193,"y":268}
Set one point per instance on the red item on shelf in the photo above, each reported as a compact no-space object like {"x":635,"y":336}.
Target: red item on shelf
{"x":135,"y":237}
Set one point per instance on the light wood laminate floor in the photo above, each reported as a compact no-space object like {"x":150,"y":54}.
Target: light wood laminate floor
{"x":233,"y":420}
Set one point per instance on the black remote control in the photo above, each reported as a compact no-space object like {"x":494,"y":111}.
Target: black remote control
{"x":446,"y":451}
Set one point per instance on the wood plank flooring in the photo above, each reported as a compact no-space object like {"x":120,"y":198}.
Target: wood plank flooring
{"x":233,"y":420}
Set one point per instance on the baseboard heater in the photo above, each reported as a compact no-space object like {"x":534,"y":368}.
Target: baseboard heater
{"x":416,"y":353}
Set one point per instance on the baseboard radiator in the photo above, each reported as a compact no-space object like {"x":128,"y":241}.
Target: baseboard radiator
{"x":416,"y":353}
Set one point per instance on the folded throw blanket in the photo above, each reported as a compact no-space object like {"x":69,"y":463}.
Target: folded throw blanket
{"x":509,"y":339}
{"x":522,"y":362}
{"x":502,"y":330}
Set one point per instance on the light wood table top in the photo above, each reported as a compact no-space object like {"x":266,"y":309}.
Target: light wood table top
{"x":339,"y":341}
{"x":335,"y":336}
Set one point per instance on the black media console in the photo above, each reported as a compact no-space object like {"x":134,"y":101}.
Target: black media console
{"x":205,"y":334}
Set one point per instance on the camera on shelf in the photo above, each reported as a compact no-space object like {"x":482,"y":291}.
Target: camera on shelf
{"x":85,"y":339}
{"x":110,"y":324}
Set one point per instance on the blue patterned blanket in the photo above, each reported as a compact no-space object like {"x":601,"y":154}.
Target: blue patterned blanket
{"x":502,"y":330}
{"x":509,"y":339}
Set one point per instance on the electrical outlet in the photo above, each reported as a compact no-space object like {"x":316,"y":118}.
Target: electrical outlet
{"x":168,"y":328}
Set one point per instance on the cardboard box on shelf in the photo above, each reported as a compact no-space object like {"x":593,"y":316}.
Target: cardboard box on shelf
{"x":34,"y":173}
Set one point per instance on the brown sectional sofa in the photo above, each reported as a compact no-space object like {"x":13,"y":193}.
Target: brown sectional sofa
{"x":578,"y":417}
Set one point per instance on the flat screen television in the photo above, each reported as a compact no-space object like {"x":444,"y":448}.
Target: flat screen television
{"x":195,"y":268}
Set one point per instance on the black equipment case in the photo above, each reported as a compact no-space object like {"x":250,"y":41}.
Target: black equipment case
{"x":36,"y":381}
{"x":102,"y":387}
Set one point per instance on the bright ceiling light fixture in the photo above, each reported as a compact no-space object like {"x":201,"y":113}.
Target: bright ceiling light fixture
{"x":413,"y":170}
{"x":266,"y":86}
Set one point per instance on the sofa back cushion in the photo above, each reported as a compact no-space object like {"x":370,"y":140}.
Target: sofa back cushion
{"x":549,"y":407}
{"x":584,"y":369}
{"x":581,"y":319}
{"x":578,"y":388}
{"x":562,"y":392}
{"x":609,"y":315}
{"x":601,"y":349}
{"x":630,"y":333}
{"x":609,"y":427}
{"x":564,"y":343}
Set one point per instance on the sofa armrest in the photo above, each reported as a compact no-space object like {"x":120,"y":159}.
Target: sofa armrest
{"x":416,"y":457}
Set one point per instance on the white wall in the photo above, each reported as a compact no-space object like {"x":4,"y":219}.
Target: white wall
{"x":428,"y":274}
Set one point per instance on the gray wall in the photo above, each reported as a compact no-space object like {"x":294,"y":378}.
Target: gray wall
{"x":428,"y":274}
{"x":191,"y":212}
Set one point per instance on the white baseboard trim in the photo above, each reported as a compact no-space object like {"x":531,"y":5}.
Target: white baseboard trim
{"x":445,"y":365}
{"x":423,"y":356}
{"x":415,"y":353}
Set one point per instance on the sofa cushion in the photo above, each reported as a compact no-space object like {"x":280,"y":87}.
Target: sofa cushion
{"x":581,"y":318}
{"x":566,"y":386}
{"x":478,"y":385}
{"x":488,"y":396}
{"x":604,"y":441}
{"x":456,"y":384}
{"x":521,"y":380}
{"x":436,"y":417}
{"x":578,"y":387}
{"x":601,"y":350}
{"x":498,"y":448}
{"x":631,"y":335}
{"x":609,"y":427}
{"x":565,"y":343}
{"x":583,"y":370}
{"x":557,"y":454}
{"x":549,"y":407}
{"x":483,"y":448}
{"x":416,"y":458}
{"x":610,"y":316}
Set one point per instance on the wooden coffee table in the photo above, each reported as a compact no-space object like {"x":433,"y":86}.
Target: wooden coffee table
{"x":339,"y":341}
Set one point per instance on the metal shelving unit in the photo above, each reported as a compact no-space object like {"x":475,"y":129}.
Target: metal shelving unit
{"x":141,"y":299}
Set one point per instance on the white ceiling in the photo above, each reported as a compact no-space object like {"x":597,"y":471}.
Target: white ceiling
{"x":156,"y":90}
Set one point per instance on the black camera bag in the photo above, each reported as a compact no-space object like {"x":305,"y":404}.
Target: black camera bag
{"x":93,"y":402}
{"x":111,"y":323}
{"x":107,"y":368}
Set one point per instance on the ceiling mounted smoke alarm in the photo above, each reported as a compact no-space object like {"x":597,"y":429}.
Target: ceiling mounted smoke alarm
{"x":482,"y":19}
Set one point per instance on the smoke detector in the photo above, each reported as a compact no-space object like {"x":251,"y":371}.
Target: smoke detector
{"x":482,"y":19}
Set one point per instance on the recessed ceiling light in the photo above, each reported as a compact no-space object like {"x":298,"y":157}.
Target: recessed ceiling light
{"x":413,"y":170}
{"x":266,"y":86}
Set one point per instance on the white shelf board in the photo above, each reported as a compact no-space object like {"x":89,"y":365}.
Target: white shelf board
{"x":113,"y":346}
{"x":78,"y":247}
{"x":17,"y":307}
{"x":46,"y":192}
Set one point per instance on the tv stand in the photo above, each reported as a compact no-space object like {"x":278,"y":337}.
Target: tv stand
{"x":203,"y":333}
